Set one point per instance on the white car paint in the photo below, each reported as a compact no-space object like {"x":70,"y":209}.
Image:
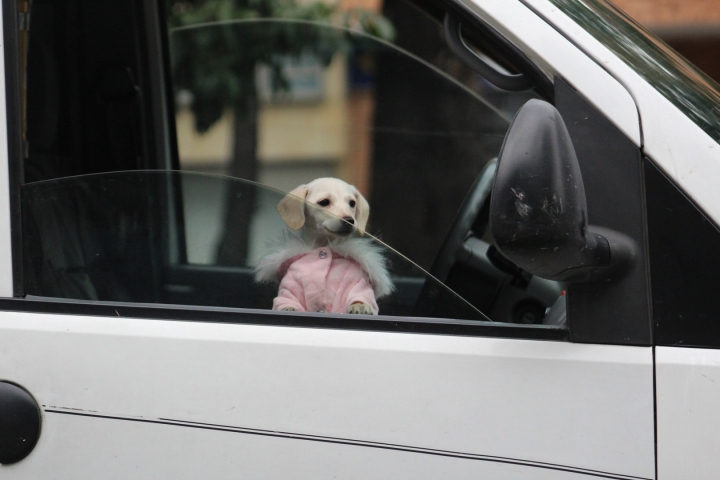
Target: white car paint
{"x":541,"y":409}
{"x":555,"y":54}
{"x":685,"y":153}
{"x":688,"y":396}
{"x":218,"y":455}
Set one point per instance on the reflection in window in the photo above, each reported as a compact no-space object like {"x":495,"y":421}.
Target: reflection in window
{"x":367,"y":92}
{"x":120,"y":237}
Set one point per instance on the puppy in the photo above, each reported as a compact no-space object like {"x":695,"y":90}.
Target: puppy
{"x":329,"y":268}
{"x":338,"y":210}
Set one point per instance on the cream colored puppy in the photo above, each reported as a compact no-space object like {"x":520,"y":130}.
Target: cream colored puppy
{"x":330,"y":210}
{"x":338,"y":210}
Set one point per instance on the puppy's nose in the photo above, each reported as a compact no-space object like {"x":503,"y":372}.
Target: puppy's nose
{"x":349,"y":220}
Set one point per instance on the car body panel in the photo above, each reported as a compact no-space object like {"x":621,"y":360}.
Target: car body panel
{"x":501,"y":402}
{"x":688,"y":394}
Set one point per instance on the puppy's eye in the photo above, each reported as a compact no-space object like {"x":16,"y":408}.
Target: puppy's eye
{"x":324,"y":203}
{"x":352,"y":203}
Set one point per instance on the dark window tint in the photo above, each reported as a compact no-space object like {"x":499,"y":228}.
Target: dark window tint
{"x":685,"y":262}
{"x":282,"y":101}
{"x":94,"y":93}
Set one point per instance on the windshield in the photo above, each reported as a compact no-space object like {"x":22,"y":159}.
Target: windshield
{"x":693,"y":92}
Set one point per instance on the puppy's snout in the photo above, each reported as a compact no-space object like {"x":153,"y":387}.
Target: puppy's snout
{"x":347,"y":226}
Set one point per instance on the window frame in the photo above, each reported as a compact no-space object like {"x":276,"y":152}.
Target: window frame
{"x":15,"y":140}
{"x":248,"y":316}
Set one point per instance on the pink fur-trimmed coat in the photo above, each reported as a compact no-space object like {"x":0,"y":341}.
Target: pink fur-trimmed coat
{"x":326,"y":279}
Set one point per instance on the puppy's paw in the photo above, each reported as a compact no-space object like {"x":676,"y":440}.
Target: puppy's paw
{"x":289,"y":309}
{"x":360,"y":308}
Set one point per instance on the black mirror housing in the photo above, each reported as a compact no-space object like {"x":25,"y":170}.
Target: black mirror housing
{"x":538,"y":211}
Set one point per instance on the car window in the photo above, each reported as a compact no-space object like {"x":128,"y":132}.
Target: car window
{"x":282,"y":101}
{"x":380,"y":103}
{"x":118,"y":237}
{"x":269,"y":101}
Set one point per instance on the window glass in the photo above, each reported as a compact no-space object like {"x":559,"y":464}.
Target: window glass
{"x":271,"y":95}
{"x":285,"y":100}
{"x":119,"y":237}
{"x":372,"y":96}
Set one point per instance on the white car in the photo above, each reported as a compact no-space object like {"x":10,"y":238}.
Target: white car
{"x":554,"y":167}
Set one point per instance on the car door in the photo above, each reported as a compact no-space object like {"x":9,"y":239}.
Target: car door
{"x":147,"y":356}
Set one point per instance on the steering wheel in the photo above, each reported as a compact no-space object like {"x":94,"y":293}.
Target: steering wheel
{"x":514,"y":294}
{"x":475,"y":200}
{"x":495,"y":283}
{"x":435,"y":296}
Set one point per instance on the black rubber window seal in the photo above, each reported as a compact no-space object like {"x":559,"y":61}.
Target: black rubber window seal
{"x":16,"y":154}
{"x":434,"y":326}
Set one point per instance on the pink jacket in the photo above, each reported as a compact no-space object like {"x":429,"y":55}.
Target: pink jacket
{"x":326,"y":279}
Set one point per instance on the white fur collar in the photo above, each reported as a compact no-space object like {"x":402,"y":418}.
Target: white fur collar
{"x":362,"y":250}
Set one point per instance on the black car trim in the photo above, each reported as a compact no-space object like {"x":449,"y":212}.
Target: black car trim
{"x":684,"y":261}
{"x":15,"y":141}
{"x":616,"y":312}
{"x":345,"y":441}
{"x":437,"y":326}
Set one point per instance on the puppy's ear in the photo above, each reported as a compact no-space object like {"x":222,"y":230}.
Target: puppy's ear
{"x":362,"y":212}
{"x":292,"y":207}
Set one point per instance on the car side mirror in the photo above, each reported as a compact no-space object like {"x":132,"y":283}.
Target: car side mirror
{"x":538,"y":211}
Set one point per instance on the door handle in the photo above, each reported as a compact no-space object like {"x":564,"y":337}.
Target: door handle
{"x":19,"y":423}
{"x":453,"y":37}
